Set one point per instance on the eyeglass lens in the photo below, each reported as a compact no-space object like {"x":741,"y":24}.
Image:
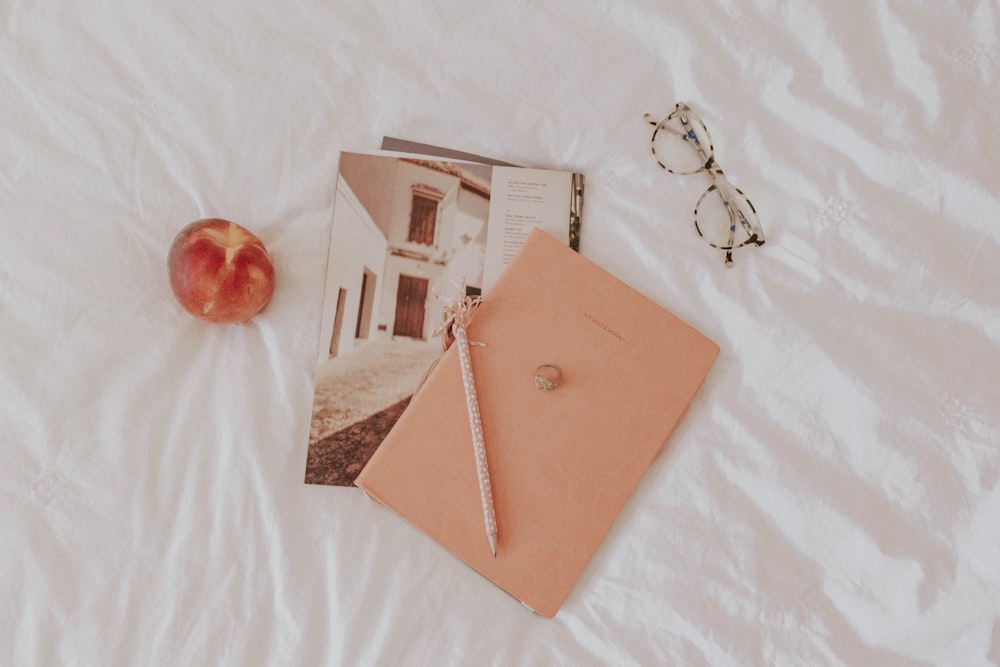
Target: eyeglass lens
{"x":682,"y":144}
{"x":726,"y":218}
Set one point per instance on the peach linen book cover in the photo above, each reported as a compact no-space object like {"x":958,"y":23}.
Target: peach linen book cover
{"x":562,"y":462}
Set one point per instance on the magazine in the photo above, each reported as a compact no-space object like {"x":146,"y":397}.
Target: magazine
{"x":408,"y":228}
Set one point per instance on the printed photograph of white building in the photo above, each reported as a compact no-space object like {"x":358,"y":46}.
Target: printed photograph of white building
{"x":404,"y":229}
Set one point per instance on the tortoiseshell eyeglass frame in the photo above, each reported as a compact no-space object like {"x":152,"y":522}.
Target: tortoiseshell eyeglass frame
{"x":683,"y":123}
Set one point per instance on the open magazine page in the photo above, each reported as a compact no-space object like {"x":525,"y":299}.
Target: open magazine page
{"x":522,"y":200}
{"x":407,"y":228}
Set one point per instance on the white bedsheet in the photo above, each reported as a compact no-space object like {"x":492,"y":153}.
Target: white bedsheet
{"x":831,"y":498}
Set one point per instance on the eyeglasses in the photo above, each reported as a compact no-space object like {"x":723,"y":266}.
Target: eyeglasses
{"x":724,"y":216}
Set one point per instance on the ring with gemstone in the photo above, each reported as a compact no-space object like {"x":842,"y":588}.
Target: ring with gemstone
{"x":548,"y":377}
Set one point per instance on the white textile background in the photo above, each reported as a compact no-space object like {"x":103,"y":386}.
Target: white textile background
{"x":831,"y":498}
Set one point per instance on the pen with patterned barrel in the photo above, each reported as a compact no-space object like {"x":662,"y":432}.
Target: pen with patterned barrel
{"x":478,"y":444}
{"x":457,"y":313}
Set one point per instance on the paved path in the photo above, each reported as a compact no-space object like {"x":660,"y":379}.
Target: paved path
{"x":358,"y":398}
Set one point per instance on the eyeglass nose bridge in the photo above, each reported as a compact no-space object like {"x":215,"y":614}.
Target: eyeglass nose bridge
{"x":715,"y":172}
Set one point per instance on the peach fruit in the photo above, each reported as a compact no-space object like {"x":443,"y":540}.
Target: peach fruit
{"x":219,"y":271}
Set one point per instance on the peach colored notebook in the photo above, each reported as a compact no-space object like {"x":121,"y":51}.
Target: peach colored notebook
{"x":562,"y":462}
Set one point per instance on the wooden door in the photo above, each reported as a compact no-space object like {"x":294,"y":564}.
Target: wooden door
{"x":411,"y":297}
{"x":338,"y":322}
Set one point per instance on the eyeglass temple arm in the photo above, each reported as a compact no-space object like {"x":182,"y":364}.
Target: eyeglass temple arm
{"x":691,"y":137}
{"x":736,"y":215}
{"x":735,"y":212}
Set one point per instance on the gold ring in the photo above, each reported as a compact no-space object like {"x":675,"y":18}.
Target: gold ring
{"x":548,"y":377}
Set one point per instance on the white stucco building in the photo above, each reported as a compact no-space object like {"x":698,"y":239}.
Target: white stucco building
{"x":403,"y":229}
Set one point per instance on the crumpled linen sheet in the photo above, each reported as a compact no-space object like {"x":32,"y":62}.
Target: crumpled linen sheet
{"x":831,"y":498}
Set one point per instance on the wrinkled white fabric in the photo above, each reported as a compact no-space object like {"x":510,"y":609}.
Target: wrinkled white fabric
{"x":831,"y":498}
